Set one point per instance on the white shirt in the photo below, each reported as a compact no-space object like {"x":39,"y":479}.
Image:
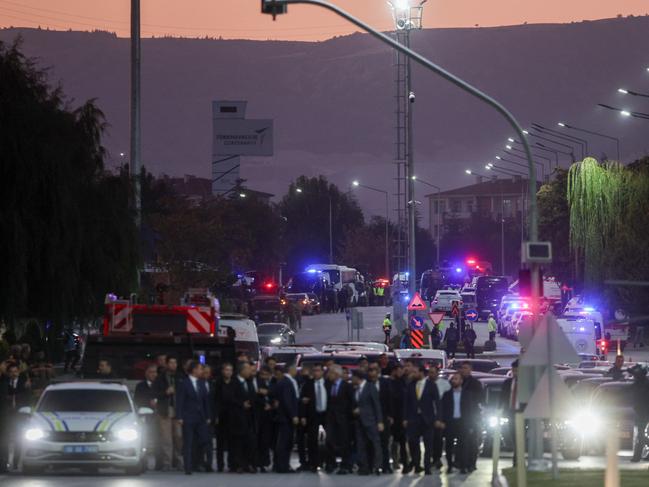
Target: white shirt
{"x":320,"y":396}
{"x":244,"y":383}
{"x":294,"y":382}
{"x":360,"y":390}
{"x":419,"y":388}
{"x":457,"y":397}
{"x":194,"y":382}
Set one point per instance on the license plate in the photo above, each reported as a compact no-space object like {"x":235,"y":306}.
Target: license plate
{"x":80,"y":449}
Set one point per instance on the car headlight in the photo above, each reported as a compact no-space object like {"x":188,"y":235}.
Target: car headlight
{"x":493,"y":421}
{"x":276,"y":340}
{"x":35,"y":434}
{"x":127,"y":434}
{"x":587,"y":424}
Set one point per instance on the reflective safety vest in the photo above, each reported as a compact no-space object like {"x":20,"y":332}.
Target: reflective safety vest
{"x":379,"y":291}
{"x":387,"y":324}
{"x":491,"y":325}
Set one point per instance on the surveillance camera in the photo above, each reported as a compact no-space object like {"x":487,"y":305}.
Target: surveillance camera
{"x":411,"y":97}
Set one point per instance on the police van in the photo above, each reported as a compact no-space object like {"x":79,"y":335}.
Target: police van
{"x":582,"y":333}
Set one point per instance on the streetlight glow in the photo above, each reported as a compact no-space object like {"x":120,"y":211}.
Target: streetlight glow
{"x":561,"y":124}
{"x":468,"y":171}
{"x":298,"y":190}
{"x":242,"y":195}
{"x":488,"y":167}
{"x":499,"y":158}
{"x":508,"y":147}
{"x":526,"y":132}
{"x":625,"y":113}
{"x":356,"y":183}
{"x":414,"y":178}
{"x":510,"y":140}
{"x":623,"y":91}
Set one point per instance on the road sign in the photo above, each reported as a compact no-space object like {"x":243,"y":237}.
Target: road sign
{"x":471,"y":315}
{"x":455,"y":309}
{"x":436,"y":317}
{"x":417,"y":304}
{"x":417,"y":323}
{"x":559,"y":351}
{"x":417,"y":338}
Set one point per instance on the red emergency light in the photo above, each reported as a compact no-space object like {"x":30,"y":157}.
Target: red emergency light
{"x":269,"y":285}
{"x":603,"y":346}
{"x":471,"y":261}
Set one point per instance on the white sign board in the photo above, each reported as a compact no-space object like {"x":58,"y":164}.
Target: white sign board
{"x":242,"y":137}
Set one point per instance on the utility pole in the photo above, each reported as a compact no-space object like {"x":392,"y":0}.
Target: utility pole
{"x":135,"y":110}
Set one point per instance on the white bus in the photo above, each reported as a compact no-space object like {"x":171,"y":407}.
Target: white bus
{"x":339,"y":276}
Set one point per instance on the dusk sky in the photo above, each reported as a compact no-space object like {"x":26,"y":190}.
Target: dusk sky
{"x":242,"y":19}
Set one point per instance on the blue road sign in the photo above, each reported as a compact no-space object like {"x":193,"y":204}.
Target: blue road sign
{"x":416,"y":323}
{"x":471,"y":315}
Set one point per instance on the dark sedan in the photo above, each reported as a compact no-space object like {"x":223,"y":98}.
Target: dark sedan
{"x":275,"y":334}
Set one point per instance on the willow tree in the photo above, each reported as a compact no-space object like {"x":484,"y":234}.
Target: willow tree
{"x":609,"y":204}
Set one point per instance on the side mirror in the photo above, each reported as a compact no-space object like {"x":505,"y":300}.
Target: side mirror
{"x":25,"y":410}
{"x":145,"y":411}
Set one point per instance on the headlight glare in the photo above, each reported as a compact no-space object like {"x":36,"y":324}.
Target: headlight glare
{"x":493,"y":421}
{"x":35,"y":434}
{"x":127,"y":434}
{"x":276,"y":340}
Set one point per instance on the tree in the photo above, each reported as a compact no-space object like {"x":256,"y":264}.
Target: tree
{"x":68,"y":232}
{"x":306,"y":213}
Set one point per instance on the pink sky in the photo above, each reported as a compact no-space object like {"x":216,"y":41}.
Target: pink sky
{"x":241,"y":18}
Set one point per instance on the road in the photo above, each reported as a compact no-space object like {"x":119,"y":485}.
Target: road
{"x":320,"y":329}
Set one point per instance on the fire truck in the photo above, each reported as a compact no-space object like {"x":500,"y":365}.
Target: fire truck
{"x":134,"y":334}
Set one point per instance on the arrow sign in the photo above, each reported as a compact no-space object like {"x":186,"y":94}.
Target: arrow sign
{"x":563,"y":400}
{"x":416,"y":323}
{"x":538,"y":353}
{"x":471,"y":315}
{"x":417,"y":304}
{"x":436,"y":317}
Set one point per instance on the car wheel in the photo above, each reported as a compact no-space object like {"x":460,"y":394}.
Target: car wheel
{"x":32,"y":470}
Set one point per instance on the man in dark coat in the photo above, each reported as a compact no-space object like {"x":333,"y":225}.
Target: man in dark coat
{"x":313,"y":413}
{"x":146,"y":396}
{"x":170,"y":431}
{"x":15,"y":393}
{"x":382,"y":385}
{"x":451,"y":337}
{"x":224,"y":394}
{"x":420,"y":413}
{"x":509,"y":403}
{"x":460,"y":414}
{"x":286,"y":394}
{"x":477,"y":393}
{"x":369,"y":424}
{"x":264,"y":417}
{"x":242,"y":421}
{"x":193,"y":413}
{"x":397,"y":385}
{"x":340,"y":403}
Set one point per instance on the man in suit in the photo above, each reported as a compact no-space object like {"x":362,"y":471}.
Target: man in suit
{"x":15,"y":392}
{"x":242,"y":421}
{"x":340,"y":402}
{"x":170,"y":430}
{"x":146,"y":396}
{"x":477,"y":393}
{"x":313,"y":412}
{"x":438,"y":434}
{"x":459,"y":413}
{"x":193,"y":413}
{"x":224,"y":391}
{"x":287,"y":395}
{"x":264,"y":415}
{"x":397,"y":386}
{"x":420,"y":413}
{"x":369,"y":424}
{"x":509,"y":403}
{"x":382,"y":385}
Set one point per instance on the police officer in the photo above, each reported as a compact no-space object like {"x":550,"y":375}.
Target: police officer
{"x":387,"y":328}
{"x":491,"y":327}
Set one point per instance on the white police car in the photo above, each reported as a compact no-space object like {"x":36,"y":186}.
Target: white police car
{"x":84,"y":424}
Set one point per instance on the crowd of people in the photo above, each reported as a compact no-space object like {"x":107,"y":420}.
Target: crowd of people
{"x":372,"y":419}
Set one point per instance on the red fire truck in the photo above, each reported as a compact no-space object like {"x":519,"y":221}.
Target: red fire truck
{"x":134,"y":334}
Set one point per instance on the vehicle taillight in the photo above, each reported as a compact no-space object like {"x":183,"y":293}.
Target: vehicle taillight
{"x":603,"y":346}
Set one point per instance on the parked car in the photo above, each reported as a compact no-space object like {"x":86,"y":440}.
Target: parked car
{"x":478,"y":364}
{"x":443,"y":300}
{"x":422,"y":356}
{"x":302,"y":301}
{"x":286,"y":354}
{"x":315,"y":302}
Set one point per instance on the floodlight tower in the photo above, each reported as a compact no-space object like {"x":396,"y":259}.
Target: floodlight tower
{"x":407,"y":17}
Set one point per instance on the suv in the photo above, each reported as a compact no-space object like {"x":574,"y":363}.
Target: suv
{"x":84,"y":424}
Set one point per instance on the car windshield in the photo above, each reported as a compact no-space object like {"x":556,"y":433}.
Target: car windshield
{"x":267,"y":329}
{"x":295,"y":297}
{"x":312,"y":296}
{"x":86,"y":401}
{"x":492,"y":395}
{"x":492,"y":284}
{"x":287,"y":358}
{"x":266,"y":304}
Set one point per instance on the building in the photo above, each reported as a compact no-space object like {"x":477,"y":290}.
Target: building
{"x":491,"y":198}
{"x":194,"y":189}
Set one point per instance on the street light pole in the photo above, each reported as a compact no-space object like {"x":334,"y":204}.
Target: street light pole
{"x":387,"y":227}
{"x":583,"y":144}
{"x":135,"y":110}
{"x":331,"y":239}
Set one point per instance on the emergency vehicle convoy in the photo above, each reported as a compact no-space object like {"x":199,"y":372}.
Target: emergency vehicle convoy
{"x":134,"y":333}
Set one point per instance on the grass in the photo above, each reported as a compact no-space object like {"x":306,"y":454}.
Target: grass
{"x":578,"y":477}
